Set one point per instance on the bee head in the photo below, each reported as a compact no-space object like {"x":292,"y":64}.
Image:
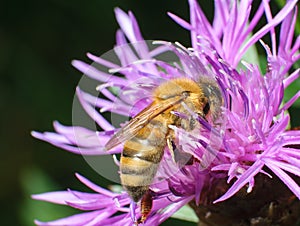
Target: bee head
{"x":212,"y":99}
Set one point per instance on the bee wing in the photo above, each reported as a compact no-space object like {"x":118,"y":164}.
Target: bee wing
{"x":142,"y":119}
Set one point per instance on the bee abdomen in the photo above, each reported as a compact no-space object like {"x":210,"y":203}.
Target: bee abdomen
{"x":137,"y":175}
{"x":135,"y":166}
{"x":141,"y":157}
{"x":136,"y":192}
{"x":141,"y":149}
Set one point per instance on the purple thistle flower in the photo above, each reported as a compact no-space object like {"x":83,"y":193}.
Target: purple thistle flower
{"x":252,"y":139}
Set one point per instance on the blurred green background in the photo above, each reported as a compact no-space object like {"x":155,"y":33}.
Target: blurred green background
{"x":38,"y":40}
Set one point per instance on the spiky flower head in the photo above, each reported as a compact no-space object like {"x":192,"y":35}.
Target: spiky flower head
{"x":250,"y":140}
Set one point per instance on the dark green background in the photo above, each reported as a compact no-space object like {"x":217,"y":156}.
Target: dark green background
{"x":38,"y":40}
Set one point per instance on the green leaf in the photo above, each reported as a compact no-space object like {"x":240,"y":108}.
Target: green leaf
{"x":33,"y":181}
{"x":290,"y":91}
{"x":281,"y":4}
{"x":186,"y":213}
{"x":251,"y":56}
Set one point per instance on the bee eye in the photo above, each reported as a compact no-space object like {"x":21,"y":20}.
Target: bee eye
{"x":206,"y":108}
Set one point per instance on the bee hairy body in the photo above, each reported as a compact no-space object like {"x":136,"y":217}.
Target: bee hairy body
{"x":141,"y":157}
{"x":147,"y":134}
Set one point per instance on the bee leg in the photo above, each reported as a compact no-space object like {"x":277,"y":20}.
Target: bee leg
{"x":171,"y":146}
{"x":178,"y":156}
{"x":146,"y":206}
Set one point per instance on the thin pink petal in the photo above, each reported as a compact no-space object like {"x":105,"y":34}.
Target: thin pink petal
{"x":75,"y":220}
{"x":292,"y":185}
{"x":180,"y":21}
{"x":284,"y":166}
{"x":242,"y":181}
{"x":276,"y":20}
{"x":93,"y":73}
{"x":94,"y":187}
{"x":90,"y":110}
{"x":102,"y":61}
{"x":58,"y":197}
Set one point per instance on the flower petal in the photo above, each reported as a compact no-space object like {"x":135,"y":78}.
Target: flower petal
{"x":75,"y":220}
{"x":242,"y":181}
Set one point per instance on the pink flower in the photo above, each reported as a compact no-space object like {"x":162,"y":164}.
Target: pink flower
{"x":254,"y":134}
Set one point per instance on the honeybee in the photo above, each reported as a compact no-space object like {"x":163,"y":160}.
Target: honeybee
{"x":147,"y":134}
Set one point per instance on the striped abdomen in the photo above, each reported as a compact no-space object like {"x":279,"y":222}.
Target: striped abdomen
{"x":141,"y":157}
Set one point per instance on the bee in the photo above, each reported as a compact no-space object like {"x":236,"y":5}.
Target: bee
{"x":146,"y":206}
{"x":147,"y":134}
